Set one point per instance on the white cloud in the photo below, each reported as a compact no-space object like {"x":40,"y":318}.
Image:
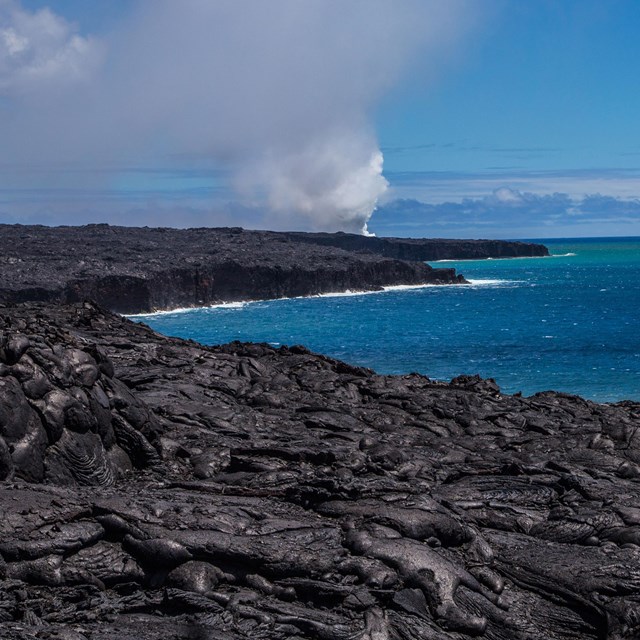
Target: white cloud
{"x":453,"y":186}
{"x":281,"y":92}
{"x":505,"y":195}
{"x":513,"y":214}
{"x":39,"y":50}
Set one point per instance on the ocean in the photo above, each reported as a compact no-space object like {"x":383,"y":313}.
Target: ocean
{"x":569,"y":322}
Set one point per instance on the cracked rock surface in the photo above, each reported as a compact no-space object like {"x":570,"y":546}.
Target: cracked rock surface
{"x":155,"y":488}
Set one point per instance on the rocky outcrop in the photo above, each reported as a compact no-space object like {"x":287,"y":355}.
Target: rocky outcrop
{"x":155,"y":488}
{"x":132,"y":270}
{"x":425,"y":248}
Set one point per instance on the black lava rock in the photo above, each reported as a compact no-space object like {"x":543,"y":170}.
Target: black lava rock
{"x":155,"y":488}
{"x":133,"y":270}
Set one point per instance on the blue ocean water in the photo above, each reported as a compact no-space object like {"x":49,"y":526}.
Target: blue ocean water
{"x":570,"y":322}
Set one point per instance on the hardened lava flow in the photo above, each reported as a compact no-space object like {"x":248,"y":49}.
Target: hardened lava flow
{"x":156,"y":488}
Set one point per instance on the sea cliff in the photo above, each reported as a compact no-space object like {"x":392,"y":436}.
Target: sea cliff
{"x":137,"y":270}
{"x":425,"y":248}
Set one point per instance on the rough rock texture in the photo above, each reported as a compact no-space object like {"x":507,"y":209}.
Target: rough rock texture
{"x":133,"y":270}
{"x":424,"y":248}
{"x":157,"y":489}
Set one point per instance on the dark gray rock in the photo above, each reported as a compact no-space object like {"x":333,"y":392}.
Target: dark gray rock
{"x":133,"y":270}
{"x":424,"y":248}
{"x":245,"y":491}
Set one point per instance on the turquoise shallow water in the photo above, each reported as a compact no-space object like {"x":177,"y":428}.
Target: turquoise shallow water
{"x":570,"y":322}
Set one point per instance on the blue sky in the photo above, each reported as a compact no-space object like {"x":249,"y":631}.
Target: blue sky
{"x":548,"y":85}
{"x":495,"y":118}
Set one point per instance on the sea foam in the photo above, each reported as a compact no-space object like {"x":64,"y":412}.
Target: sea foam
{"x":553,"y":255}
{"x":331,"y":294}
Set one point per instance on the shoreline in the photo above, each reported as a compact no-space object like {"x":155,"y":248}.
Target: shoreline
{"x":237,"y":304}
{"x":136,"y":270}
{"x":553,"y":255}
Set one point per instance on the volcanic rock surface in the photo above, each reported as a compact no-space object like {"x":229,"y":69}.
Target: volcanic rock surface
{"x":135,"y":270}
{"x":155,"y":488}
{"x":425,"y":248}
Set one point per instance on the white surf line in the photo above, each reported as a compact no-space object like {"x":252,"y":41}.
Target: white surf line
{"x":240,"y":304}
{"x":489,"y":282}
{"x":553,"y":255}
{"x":180,"y":310}
{"x":331,"y":294}
{"x":367,"y":292}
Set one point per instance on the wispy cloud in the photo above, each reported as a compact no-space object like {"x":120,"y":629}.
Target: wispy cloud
{"x":511,"y":213}
{"x":466,"y":148}
{"x":40,"y":51}
{"x":447,"y":186}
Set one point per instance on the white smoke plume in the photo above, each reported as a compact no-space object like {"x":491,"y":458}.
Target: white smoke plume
{"x":326,"y":185}
{"x":281,"y":93}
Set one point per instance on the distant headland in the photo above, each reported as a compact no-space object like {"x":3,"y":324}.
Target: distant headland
{"x":138,"y":270}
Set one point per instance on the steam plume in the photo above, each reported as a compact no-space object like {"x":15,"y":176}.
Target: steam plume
{"x":281,"y":93}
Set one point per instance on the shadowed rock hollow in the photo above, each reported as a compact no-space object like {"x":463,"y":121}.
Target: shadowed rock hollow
{"x":155,"y":488}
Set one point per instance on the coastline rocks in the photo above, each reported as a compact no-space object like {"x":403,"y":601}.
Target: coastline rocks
{"x":137,"y":270}
{"x":152,"y":491}
{"x":425,"y":249}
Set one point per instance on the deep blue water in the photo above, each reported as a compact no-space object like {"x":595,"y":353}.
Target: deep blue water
{"x":570,"y":322}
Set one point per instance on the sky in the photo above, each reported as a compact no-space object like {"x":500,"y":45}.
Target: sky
{"x":465,"y":118}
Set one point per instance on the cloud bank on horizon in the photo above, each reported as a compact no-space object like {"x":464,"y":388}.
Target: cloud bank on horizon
{"x":533,"y":215}
{"x":277,"y":94}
